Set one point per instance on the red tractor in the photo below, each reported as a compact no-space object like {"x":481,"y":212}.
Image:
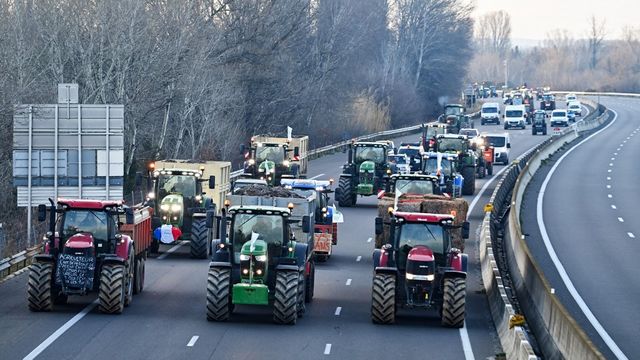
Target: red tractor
{"x":91,"y":246}
{"x":418,"y":268}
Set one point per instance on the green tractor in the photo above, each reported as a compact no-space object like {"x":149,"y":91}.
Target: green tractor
{"x":259,"y":263}
{"x":365,"y":172}
{"x":180,"y":205}
{"x":455,"y":118}
{"x":468,"y":160}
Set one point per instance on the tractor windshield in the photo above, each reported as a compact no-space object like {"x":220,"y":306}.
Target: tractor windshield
{"x":431,"y":166}
{"x":406,"y":186}
{"x":413,"y":234}
{"x":269,"y":228}
{"x":370,"y":153}
{"x":497,"y":141}
{"x":432,"y":131}
{"x":271,"y":153}
{"x":445,"y":144}
{"x":454,"y":110}
{"x":80,"y":221}
{"x":176,"y":184}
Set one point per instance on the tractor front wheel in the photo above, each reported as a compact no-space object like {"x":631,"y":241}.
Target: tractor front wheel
{"x":39,"y":288}
{"x":218,"y":297}
{"x":453,"y":302}
{"x":344,"y":196}
{"x":469,"y":184}
{"x":111,"y":295}
{"x":199,"y":237}
{"x":301,"y":293}
{"x":130,"y":277}
{"x":383,"y":299}
{"x":285,"y":303}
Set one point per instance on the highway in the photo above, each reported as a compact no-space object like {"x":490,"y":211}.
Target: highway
{"x":168,"y":319}
{"x":584,"y":203}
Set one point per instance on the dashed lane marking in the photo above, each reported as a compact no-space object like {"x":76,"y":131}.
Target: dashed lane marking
{"x":327,"y":349}
{"x":609,"y":196}
{"x":315,"y":177}
{"x":173,"y":249}
{"x":193,"y":340}
{"x":369,"y":239}
{"x":338,"y":311}
{"x":620,"y":219}
{"x":608,"y":186}
{"x":348,"y":282}
{"x":631,"y":235}
{"x":358,"y":258}
{"x":613,"y":207}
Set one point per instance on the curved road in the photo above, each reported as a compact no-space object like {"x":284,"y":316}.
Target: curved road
{"x":589,"y":212}
{"x":168,"y":319}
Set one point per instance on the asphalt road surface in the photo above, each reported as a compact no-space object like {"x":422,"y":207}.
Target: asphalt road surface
{"x":168,"y":319}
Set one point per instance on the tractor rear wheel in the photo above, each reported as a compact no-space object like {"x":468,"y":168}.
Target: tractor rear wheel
{"x":490,"y":169}
{"x":138,"y":284}
{"x":310,"y":283}
{"x":111,"y":295}
{"x":301,"y":293}
{"x":285,"y":303}
{"x":218,"y":297}
{"x":469,"y":184}
{"x":383,"y":299}
{"x":39,"y":290}
{"x":453,"y":302}
{"x":344,"y":196}
{"x":199,"y":238}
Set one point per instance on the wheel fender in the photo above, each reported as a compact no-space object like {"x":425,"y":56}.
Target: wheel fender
{"x":454,"y":274}
{"x":386,"y":270}
{"x":463,"y":262}
{"x":113,"y":259}
{"x":122,"y":247}
{"x":44,"y":258}
{"x":219,"y":264}
{"x":301,"y":253}
{"x":283,"y":267}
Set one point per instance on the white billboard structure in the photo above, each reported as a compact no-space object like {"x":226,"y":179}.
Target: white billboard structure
{"x":67,"y":150}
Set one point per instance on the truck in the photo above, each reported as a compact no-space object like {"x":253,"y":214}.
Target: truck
{"x":265,"y":258}
{"x":365,"y":172}
{"x":455,"y":118}
{"x":327,"y":217}
{"x":274,"y":158}
{"x":91,"y":246}
{"x":419,"y":268}
{"x":180,"y":201}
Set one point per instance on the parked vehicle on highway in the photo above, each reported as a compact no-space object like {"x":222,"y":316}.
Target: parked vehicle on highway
{"x":548,"y":102}
{"x":413,"y":151}
{"x":539,"y":124}
{"x":514,"y":116}
{"x":501,"y":143}
{"x":490,"y":113}
{"x":90,"y":246}
{"x":576,"y":107}
{"x":571,"y":97}
{"x":559,"y":118}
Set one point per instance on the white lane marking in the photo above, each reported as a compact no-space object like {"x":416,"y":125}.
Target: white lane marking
{"x":348,"y":282}
{"x":624,"y":142}
{"x":315,"y":177}
{"x":53,"y":337}
{"x":608,"y":186}
{"x":613,"y":207}
{"x":554,"y":256}
{"x":631,"y":235}
{"x":620,"y":219}
{"x":610,"y":164}
{"x":484,"y":187}
{"x":173,"y":249}
{"x":338,"y":310}
{"x":358,"y":258}
{"x":609,"y":196}
{"x":609,"y":170}
{"x":615,"y":153}
{"x":612,"y":159}
{"x":369,"y":239}
{"x":466,"y":344}
{"x":193,"y":340}
{"x":609,"y":178}
{"x":327,"y":349}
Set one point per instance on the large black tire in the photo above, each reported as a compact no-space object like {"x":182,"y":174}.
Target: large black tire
{"x":155,"y":246}
{"x":286,"y":298}
{"x":383,"y":299}
{"x":344,"y":196}
{"x":111,"y":295}
{"x":309,"y":285}
{"x":39,"y":289}
{"x":453,"y":302}
{"x":199,"y":238}
{"x":490,"y":169}
{"x":130,"y":277}
{"x":218,"y":294}
{"x":138,"y":282}
{"x":469,"y":185}
{"x":301,"y":293}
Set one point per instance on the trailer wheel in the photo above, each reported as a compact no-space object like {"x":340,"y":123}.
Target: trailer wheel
{"x":301,"y":294}
{"x":218,"y":297}
{"x":490,"y":169}
{"x":383,"y":299}
{"x":453,"y":302}
{"x":344,"y":196}
{"x":138,"y":280}
{"x":199,"y":239}
{"x":111,"y":295}
{"x":39,"y":288}
{"x":310,"y":283}
{"x":130,"y":269}
{"x":469,"y":184}
{"x":285,"y":303}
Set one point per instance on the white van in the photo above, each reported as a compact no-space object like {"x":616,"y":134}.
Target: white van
{"x":490,"y":113}
{"x":514,"y":116}
{"x":501,"y":144}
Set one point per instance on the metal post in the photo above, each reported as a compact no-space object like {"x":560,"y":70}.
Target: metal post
{"x":29,"y":176}
{"x":506,"y":73}
{"x":79,"y":152}
{"x":55,"y":153}
{"x":108,"y":153}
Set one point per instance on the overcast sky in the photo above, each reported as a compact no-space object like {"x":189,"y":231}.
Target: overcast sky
{"x":531,"y":19}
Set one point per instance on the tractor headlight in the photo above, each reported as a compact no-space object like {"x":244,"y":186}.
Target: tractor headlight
{"x":151,"y":195}
{"x":252,"y":162}
{"x":198,"y":198}
{"x":285,"y":163}
{"x":244,"y":257}
{"x":259,"y":272}
{"x":156,"y":173}
{"x":245,"y":271}
{"x":262,"y":258}
{"x":164,"y":207}
{"x":176,"y":208}
{"x":429,"y":277}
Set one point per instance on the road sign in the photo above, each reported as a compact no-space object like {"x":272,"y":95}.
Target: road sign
{"x":557,"y":131}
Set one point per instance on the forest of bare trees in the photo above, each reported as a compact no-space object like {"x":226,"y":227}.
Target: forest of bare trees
{"x":198,"y":77}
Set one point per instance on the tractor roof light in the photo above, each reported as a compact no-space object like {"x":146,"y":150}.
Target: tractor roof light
{"x":290,"y":206}
{"x":390,"y":210}
{"x":324,"y":209}
{"x":331,"y":181}
{"x":227,"y":203}
{"x":152,"y":166}
{"x":201,"y":168}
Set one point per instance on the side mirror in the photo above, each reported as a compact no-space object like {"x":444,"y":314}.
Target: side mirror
{"x":211,"y":216}
{"x":508,"y":145}
{"x":296,"y":151}
{"x":242,"y":149}
{"x":138,"y":178}
{"x":503,"y":116}
{"x":306,"y":224}
{"x":129,"y":215}
{"x":212,"y":182}
{"x":465,"y":230}
{"x":42,"y":212}
{"x":379,"y":229}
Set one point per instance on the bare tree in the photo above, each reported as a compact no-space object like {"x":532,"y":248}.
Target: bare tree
{"x":597,"y":33}
{"x":493,"y":32}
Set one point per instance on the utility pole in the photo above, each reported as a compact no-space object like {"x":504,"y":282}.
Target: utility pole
{"x":506,"y":73}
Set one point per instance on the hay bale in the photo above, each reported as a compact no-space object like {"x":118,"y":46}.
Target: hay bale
{"x":270,"y":191}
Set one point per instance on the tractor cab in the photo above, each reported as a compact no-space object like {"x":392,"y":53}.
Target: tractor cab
{"x":429,"y":133}
{"x":444,"y":167}
{"x":270,"y":160}
{"x":412,"y":150}
{"x":454,"y":117}
{"x":322,"y":190}
{"x":414,"y":184}
{"x":451,"y":143}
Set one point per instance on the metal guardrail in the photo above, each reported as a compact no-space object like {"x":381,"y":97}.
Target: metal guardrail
{"x":556,"y":331}
{"x":21,"y":260}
